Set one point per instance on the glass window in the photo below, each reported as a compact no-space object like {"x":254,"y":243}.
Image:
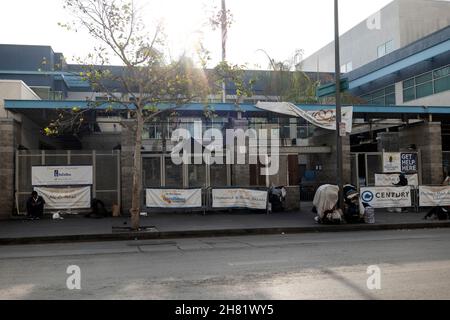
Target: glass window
{"x":197,"y":175}
{"x":367,"y":98}
{"x":408,"y":83}
{"x":218,"y":175}
{"x":390,"y":90}
{"x":442,"y":72}
{"x":424,"y":90}
{"x":424,"y":78}
{"x":389,"y":46}
{"x":390,"y":99}
{"x":174,"y":174}
{"x":378,"y":94}
{"x":409,"y":94}
{"x":381,"y":50}
{"x":151,"y":174}
{"x":442,"y":84}
{"x":378,"y":101}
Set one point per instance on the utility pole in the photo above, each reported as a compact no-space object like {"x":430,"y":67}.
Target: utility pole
{"x":338,"y":104}
{"x":224,"y":45}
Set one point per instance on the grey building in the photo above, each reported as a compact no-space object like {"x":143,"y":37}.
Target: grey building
{"x":397,"y":25}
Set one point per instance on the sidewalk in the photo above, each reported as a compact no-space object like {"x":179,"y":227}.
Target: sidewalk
{"x":176,"y":225}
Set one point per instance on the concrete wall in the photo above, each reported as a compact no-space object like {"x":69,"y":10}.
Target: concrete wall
{"x":360,"y":44}
{"x":428,"y":139}
{"x":329,"y":161}
{"x":403,"y":21}
{"x":8,"y":128}
{"x":419,"y":18}
{"x":14,"y":90}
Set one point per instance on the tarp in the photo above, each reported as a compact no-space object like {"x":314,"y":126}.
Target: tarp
{"x":434,"y":196}
{"x":325,"y":118}
{"x":239,"y":198}
{"x":388,"y":180}
{"x":65,"y":198}
{"x":326,"y":198}
{"x":174,"y":198}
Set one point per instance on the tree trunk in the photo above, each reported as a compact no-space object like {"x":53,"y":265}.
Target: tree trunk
{"x":137,"y":174}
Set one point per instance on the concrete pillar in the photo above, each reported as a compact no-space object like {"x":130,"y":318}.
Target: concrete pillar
{"x":428,"y":139}
{"x":328,"y":162}
{"x":7,"y":149}
{"x":126,"y":158}
{"x":388,"y":141}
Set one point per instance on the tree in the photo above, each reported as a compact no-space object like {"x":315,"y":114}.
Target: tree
{"x":148,"y":84}
{"x":289,"y":82}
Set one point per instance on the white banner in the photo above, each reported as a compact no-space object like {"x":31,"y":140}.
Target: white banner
{"x":65,"y":198}
{"x":173,"y":198}
{"x":239,"y":198}
{"x":387,"y":180}
{"x":61,"y":175}
{"x":325,"y":118}
{"x":387,"y":197}
{"x":434,"y":196}
{"x":392,"y":162}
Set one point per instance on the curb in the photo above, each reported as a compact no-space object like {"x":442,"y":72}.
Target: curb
{"x":123,"y":236}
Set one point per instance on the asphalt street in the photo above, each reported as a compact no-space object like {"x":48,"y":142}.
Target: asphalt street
{"x":412,"y":265}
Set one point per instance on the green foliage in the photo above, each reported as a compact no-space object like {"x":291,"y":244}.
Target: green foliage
{"x":233,"y":73}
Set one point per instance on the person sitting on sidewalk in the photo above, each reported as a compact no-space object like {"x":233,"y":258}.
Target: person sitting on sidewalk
{"x":403,"y":182}
{"x":35,"y":206}
{"x":441,"y":213}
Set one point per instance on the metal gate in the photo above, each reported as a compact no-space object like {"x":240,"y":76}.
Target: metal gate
{"x":364,"y":166}
{"x":105,"y":164}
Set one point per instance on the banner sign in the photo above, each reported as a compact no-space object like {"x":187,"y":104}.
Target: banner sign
{"x":399,"y":162}
{"x":387,"y":197}
{"x":434,"y":196}
{"x":325,"y":118}
{"x":239,"y":198}
{"x":174,"y":198}
{"x":391,"y":162}
{"x":387,"y":180}
{"x":409,"y":162}
{"x":61,"y":175}
{"x":65,"y":198}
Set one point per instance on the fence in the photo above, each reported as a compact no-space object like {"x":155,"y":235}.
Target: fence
{"x":206,"y":200}
{"x":105,"y":164}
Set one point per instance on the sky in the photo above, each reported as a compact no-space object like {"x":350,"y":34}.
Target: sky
{"x":278,"y":27}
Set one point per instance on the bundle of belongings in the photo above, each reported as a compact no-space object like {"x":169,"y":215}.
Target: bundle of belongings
{"x":325,"y":205}
{"x":354,"y":209}
{"x":325,"y":202}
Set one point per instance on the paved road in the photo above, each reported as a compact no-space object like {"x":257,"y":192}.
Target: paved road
{"x":413,"y":264}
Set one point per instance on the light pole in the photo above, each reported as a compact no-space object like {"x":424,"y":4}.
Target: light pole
{"x":338,"y":103}
{"x":224,"y":25}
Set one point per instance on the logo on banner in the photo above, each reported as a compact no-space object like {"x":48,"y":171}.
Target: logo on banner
{"x":367,"y":196}
{"x":173,"y":198}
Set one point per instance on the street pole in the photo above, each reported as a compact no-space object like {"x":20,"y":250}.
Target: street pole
{"x":224,"y":46}
{"x":338,"y":104}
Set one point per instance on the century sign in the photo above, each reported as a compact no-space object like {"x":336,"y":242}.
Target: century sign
{"x":387,"y":197}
